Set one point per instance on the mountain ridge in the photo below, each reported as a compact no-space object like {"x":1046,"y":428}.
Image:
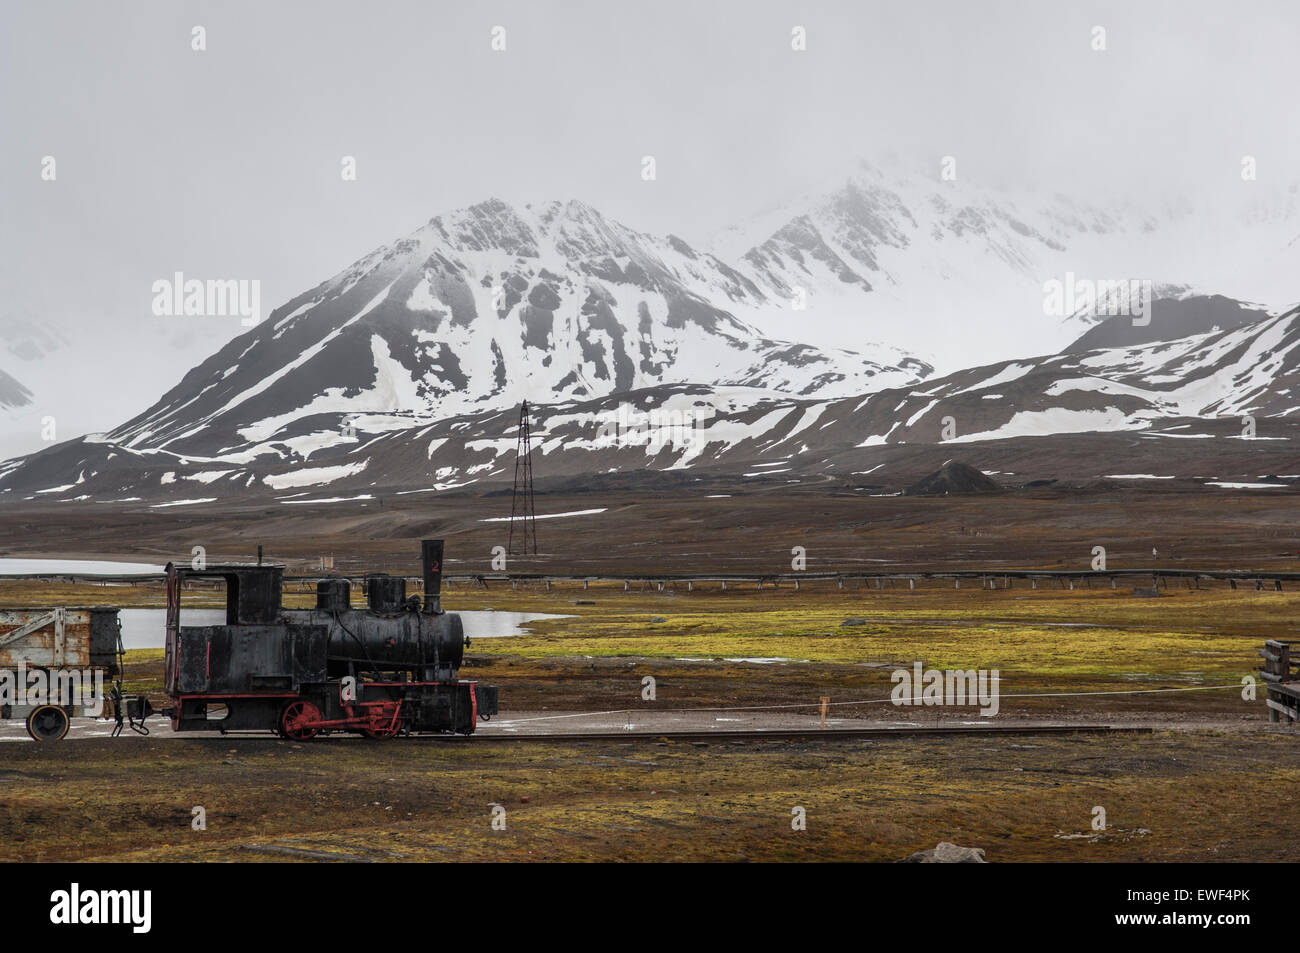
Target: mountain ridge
{"x":487,"y":307}
{"x":433,"y":340}
{"x":1101,"y":414}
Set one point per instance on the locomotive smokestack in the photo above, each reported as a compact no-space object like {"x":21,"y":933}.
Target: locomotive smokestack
{"x":431,"y":551}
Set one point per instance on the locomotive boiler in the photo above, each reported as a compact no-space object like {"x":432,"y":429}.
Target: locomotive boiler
{"x":390,"y":668}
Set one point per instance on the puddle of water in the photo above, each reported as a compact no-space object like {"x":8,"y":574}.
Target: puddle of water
{"x":100,"y":566}
{"x":143,"y":628}
{"x":497,"y":624}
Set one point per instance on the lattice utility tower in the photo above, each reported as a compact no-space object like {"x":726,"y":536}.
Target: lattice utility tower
{"x":522,"y":512}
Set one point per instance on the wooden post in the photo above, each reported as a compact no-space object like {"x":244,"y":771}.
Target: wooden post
{"x":825,"y":703}
{"x":1277,"y":670}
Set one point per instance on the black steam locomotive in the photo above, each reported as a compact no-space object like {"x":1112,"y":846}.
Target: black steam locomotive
{"x":389,"y":669}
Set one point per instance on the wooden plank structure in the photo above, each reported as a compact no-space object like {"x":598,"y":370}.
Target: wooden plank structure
{"x":1281,"y":674}
{"x":44,"y":638}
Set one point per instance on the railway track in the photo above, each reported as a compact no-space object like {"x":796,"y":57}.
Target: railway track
{"x":605,"y":735}
{"x":796,"y":734}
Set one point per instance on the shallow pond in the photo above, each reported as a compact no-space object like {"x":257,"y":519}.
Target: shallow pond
{"x":143,"y":628}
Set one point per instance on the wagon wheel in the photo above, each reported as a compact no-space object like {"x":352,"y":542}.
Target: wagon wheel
{"x":47,"y":723}
{"x":298,"y":721}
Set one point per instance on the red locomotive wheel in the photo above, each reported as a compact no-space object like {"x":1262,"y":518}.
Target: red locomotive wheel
{"x":384,"y":723}
{"x":299,"y":721}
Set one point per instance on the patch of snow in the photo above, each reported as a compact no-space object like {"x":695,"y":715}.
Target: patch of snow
{"x":330,"y":499}
{"x":207,"y":476}
{"x":96,"y":566}
{"x":546,"y":516}
{"x":314,"y":476}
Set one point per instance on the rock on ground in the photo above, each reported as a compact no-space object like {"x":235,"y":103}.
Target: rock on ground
{"x":946,"y":853}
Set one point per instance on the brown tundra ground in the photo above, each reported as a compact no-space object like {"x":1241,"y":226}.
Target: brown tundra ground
{"x":1195,"y":788}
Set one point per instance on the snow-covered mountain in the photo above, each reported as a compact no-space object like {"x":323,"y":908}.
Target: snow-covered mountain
{"x":956,"y":269}
{"x":1169,"y":408}
{"x":871,"y":275}
{"x":1251,"y":370}
{"x":16,"y":407}
{"x":478,"y":310}
{"x":82,"y":375}
{"x":12,"y":393}
{"x":27,"y":348}
{"x":26,"y":339}
{"x":406,"y":369}
{"x":1171,"y":317}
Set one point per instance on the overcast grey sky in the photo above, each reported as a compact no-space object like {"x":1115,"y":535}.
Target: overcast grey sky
{"x":225,"y":163}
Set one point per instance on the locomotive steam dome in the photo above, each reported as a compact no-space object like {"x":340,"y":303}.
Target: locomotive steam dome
{"x":385,"y":593}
